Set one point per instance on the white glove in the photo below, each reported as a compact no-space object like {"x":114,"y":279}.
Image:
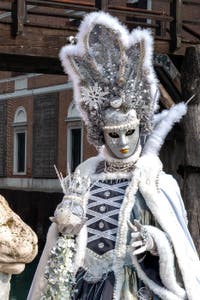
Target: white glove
{"x":69,"y":217}
{"x":141,"y":240}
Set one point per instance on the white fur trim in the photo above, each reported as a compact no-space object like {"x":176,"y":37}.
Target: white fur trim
{"x":88,"y":167}
{"x":161,"y":292}
{"x":138,"y":35}
{"x":105,"y":19}
{"x":149,"y":167}
{"x":166,"y":261}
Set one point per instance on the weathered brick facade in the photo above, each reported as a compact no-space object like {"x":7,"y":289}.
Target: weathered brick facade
{"x":45,"y":135}
{"x":46,"y":80}
{"x":65,"y":98}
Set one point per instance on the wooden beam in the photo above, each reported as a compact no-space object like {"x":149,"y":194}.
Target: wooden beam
{"x":190,"y":2}
{"x":84,"y":2}
{"x":168,"y":84}
{"x":136,"y":9}
{"x":64,"y":5}
{"x":30,"y":64}
{"x":5,"y":6}
{"x":190,"y":30}
{"x":165,"y":98}
{"x":42,"y":42}
{"x":121,"y":10}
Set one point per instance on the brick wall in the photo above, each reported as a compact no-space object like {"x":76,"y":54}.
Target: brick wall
{"x":3,"y":105}
{"x":89,"y":150}
{"x":65,"y":99}
{"x":45,"y":135}
{"x":7,"y":87}
{"x":46,"y":80}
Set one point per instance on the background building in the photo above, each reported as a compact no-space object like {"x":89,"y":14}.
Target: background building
{"x":39,"y":128}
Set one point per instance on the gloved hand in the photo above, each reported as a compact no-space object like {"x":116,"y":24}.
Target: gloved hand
{"x":69,"y":217}
{"x":141,"y":240}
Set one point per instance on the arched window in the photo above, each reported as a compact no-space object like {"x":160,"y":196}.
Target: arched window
{"x":20,"y":115}
{"x":74,"y":137}
{"x":20,"y":141}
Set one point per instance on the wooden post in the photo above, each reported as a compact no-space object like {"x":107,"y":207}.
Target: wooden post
{"x":18,"y":16}
{"x":101,"y":4}
{"x":176,"y":7}
{"x":191,"y":190}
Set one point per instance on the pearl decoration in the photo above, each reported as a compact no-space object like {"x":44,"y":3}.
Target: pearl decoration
{"x":116,"y":103}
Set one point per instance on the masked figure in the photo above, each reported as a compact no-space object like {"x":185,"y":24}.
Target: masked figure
{"x":124,"y":217}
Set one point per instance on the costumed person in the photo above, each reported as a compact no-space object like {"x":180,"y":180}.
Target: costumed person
{"x":121,"y":227}
{"x":18,"y":246}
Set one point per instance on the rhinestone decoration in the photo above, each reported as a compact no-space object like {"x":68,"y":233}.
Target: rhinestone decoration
{"x":107,"y":194}
{"x":101,"y":225}
{"x":101,"y":245}
{"x":102,"y":208}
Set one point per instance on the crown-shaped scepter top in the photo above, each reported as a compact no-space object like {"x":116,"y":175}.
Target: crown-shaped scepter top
{"x":74,"y":184}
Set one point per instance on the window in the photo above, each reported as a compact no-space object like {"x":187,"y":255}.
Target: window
{"x":74,"y":138}
{"x":145,"y":4}
{"x":20,"y":152}
{"x":20,"y":140}
{"x":75,"y":147}
{"x":141,"y":4}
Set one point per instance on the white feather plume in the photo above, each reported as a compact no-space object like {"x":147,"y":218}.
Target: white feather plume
{"x":163,"y":124}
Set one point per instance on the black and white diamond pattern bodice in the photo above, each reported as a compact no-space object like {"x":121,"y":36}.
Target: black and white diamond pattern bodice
{"x":102,"y":212}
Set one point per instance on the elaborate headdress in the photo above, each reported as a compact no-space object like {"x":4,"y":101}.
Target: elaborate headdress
{"x":111,"y":70}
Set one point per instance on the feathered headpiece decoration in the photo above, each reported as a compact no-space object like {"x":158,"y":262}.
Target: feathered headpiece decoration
{"x":111,"y":68}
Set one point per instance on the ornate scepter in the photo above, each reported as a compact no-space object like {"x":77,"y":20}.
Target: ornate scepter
{"x":69,"y":217}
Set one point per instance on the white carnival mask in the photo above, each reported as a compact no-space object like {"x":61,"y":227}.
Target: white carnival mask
{"x":121,"y":133}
